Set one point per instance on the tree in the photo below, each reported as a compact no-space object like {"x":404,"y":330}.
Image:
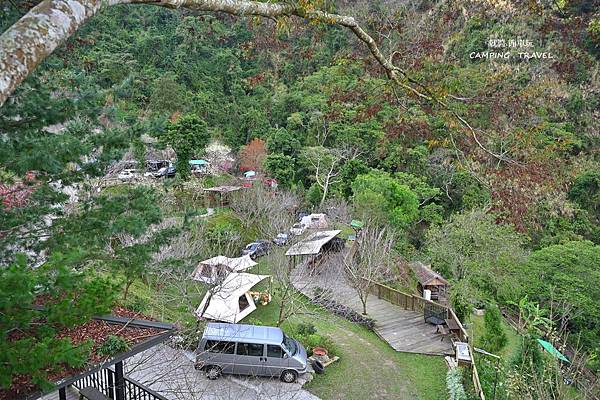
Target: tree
{"x":494,"y":338}
{"x":188,"y":136}
{"x":368,"y":261}
{"x":280,"y":167}
{"x":474,"y":247}
{"x":586,"y":192}
{"x":325,"y":167}
{"x":252,"y":155}
{"x":564,"y":278}
{"x":68,"y":297}
{"x":382,"y":198}
{"x":283,"y":142}
{"x":167,"y":96}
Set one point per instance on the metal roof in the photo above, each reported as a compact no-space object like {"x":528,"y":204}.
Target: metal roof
{"x":222,"y":189}
{"x":243,"y":333}
{"x":312,"y":244}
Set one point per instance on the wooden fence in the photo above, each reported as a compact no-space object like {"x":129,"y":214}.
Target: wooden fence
{"x":418,"y":304}
{"x":414,"y":303}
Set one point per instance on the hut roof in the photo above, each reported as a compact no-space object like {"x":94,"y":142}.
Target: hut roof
{"x":426,"y":276}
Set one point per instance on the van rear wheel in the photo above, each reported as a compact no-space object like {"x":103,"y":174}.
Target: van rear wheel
{"x":213,"y":372}
{"x":289,"y":376}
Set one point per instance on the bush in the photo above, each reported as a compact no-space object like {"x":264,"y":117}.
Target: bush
{"x":456,"y":391}
{"x":307,"y":334}
{"x":113,"y":345}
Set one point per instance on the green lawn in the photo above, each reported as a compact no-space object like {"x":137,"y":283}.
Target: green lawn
{"x":368,"y":367}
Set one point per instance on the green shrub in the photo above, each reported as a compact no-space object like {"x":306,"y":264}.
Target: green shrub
{"x":137,"y":304}
{"x":113,"y":345}
{"x":494,"y":338}
{"x":456,"y":391}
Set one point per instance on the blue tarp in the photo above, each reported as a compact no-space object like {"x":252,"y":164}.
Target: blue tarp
{"x":198,"y":162}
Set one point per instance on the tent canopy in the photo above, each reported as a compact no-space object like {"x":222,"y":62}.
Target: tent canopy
{"x":356,"y":224}
{"x":312,"y":244}
{"x":552,"y":350}
{"x":230,"y":301}
{"x":198,"y":162}
{"x":210,"y":270}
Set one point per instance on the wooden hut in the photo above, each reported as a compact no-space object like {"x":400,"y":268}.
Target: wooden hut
{"x":428,"y":279}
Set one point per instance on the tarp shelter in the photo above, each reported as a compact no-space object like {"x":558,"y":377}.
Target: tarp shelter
{"x":213,"y":269}
{"x":249,"y":174}
{"x":219,"y":196}
{"x":315,"y":221}
{"x":552,"y":350}
{"x":356,"y":224}
{"x":312,"y":244}
{"x":230,"y":301}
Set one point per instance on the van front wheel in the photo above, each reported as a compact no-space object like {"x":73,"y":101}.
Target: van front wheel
{"x":289,"y":376}
{"x":213,"y":372}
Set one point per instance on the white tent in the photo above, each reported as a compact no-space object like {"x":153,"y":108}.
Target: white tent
{"x":315,"y":221}
{"x":211,"y":270}
{"x":230,"y":301}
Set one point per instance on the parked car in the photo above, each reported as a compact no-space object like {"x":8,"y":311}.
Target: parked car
{"x":127,"y":175}
{"x":297,"y":229}
{"x":250,"y":350}
{"x":257,"y":249}
{"x":281,"y":239}
{"x":165,"y":171}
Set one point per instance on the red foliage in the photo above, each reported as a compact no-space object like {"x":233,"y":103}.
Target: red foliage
{"x":252,"y":155}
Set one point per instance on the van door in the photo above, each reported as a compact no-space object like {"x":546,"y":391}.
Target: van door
{"x":249,"y":359}
{"x":276,"y":360}
{"x":221,"y":353}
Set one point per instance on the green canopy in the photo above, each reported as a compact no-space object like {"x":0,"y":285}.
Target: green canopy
{"x":356,"y":224}
{"x":552,"y":350}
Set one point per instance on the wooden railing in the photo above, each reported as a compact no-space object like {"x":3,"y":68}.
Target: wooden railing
{"x":413,"y":303}
{"x":417,"y":303}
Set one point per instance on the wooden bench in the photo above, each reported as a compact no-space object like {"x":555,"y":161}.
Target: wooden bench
{"x":91,"y":393}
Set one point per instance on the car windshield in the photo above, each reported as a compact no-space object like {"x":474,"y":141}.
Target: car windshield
{"x":289,"y":344}
{"x":251,"y":246}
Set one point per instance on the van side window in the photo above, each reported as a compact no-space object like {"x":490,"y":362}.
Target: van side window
{"x":250,"y":349}
{"x":214,"y":346}
{"x":274,"y":351}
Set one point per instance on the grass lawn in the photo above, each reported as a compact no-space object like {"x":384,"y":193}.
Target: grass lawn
{"x":368,"y":367}
{"x":477,"y":329}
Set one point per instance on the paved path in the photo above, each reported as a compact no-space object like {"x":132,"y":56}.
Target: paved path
{"x":404,"y":330}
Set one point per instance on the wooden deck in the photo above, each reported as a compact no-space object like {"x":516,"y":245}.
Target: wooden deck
{"x":406,"y":331}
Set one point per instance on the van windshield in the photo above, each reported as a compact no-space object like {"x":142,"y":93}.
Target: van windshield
{"x":290,"y":345}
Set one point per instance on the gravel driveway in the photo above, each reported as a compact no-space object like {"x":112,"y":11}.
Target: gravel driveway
{"x":171,"y":373}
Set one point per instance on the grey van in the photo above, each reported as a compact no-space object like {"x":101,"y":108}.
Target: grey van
{"x":249,"y":350}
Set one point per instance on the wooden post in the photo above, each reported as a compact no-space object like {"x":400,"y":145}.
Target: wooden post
{"x":119,"y":381}
{"x":62,"y":393}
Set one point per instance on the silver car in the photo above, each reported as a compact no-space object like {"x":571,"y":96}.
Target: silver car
{"x":250,"y":350}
